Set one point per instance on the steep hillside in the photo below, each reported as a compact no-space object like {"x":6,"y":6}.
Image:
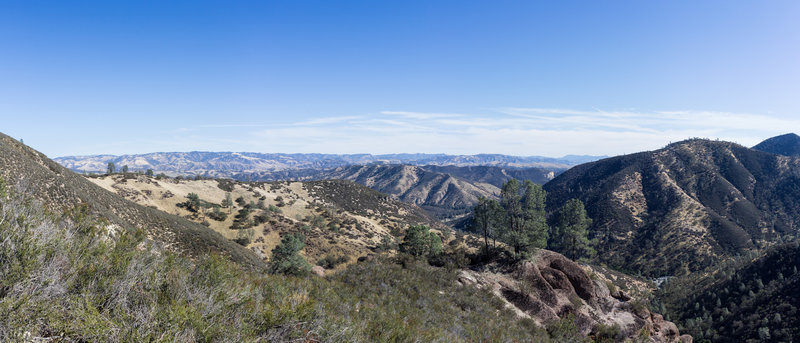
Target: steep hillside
{"x":226,"y":164}
{"x":441,"y":194}
{"x":496,"y":176}
{"x":684,"y":207}
{"x":61,"y":190}
{"x":337,"y":217}
{"x":448,"y":192}
{"x":753,"y":300}
{"x":786,"y":145}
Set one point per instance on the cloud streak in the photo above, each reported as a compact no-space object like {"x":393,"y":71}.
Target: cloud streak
{"x":517,"y":131}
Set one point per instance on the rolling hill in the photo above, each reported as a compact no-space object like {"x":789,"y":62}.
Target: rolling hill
{"x":337,"y":217}
{"x":447,"y":192}
{"x":60,"y":190}
{"x":684,"y":207}
{"x":441,"y":194}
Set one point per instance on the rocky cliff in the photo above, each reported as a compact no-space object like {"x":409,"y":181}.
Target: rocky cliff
{"x":551,"y":287}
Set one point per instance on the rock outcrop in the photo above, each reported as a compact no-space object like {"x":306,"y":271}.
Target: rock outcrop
{"x":551,"y":287}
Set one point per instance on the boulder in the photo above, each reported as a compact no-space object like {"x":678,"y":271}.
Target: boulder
{"x":318,"y":271}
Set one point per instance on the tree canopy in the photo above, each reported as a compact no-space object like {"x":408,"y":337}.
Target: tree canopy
{"x":420,"y":242}
{"x":525,"y":225}
{"x":570,"y":235}
{"x":286,"y":258}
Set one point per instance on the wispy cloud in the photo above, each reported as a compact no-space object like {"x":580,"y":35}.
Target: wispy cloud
{"x":420,"y":115}
{"x":518,"y":131}
{"x":219,"y":126}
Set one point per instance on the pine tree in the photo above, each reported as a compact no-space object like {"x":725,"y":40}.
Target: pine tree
{"x":533,"y":204}
{"x":487,"y":216}
{"x":525,"y":224}
{"x":420,"y":242}
{"x":571,"y":233}
{"x":286,"y":258}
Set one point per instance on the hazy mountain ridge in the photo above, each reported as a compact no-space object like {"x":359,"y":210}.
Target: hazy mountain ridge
{"x":224,"y":164}
{"x":684,"y":207}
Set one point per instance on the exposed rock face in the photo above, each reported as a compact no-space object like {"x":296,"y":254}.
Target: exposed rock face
{"x":551,"y":287}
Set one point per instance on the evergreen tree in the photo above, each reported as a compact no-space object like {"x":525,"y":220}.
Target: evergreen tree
{"x":149,"y":172}
{"x":227,"y":202}
{"x":487,"y":216}
{"x":125,"y":169}
{"x":525,"y":224}
{"x":571,"y":233}
{"x":286,"y":258}
{"x":420,"y":242}
{"x":111,"y":168}
{"x":533,"y":205}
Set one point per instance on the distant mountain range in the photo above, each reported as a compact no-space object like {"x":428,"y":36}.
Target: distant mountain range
{"x":225,"y":164}
{"x":447,"y":186}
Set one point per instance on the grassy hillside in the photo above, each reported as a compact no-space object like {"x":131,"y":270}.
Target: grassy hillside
{"x":685,"y":207}
{"x":338,"y":218}
{"x":59,"y":189}
{"x":66,"y":277}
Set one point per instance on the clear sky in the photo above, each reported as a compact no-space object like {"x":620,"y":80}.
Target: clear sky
{"x":514,"y":77}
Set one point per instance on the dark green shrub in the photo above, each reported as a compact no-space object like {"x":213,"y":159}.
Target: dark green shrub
{"x":286,"y":258}
{"x":420,"y":242}
{"x":331,"y":260}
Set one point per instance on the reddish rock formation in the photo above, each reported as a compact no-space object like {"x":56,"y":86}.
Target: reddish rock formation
{"x":550,"y":286}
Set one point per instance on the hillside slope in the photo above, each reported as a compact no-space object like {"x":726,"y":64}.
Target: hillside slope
{"x":754,"y":300}
{"x":787,"y":145}
{"x":337,"y":216}
{"x":61,"y":190}
{"x":439,"y":193}
{"x":448,"y":192}
{"x":684,"y":207}
{"x":496,"y":176}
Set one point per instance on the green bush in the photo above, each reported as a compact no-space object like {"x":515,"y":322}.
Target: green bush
{"x":286,"y":258}
{"x":420,"y":242}
{"x":331,"y":260}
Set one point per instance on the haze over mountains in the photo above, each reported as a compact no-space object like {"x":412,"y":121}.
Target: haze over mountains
{"x":225,"y":164}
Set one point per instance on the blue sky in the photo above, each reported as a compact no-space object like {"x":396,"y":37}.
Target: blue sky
{"x":515,"y":77}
